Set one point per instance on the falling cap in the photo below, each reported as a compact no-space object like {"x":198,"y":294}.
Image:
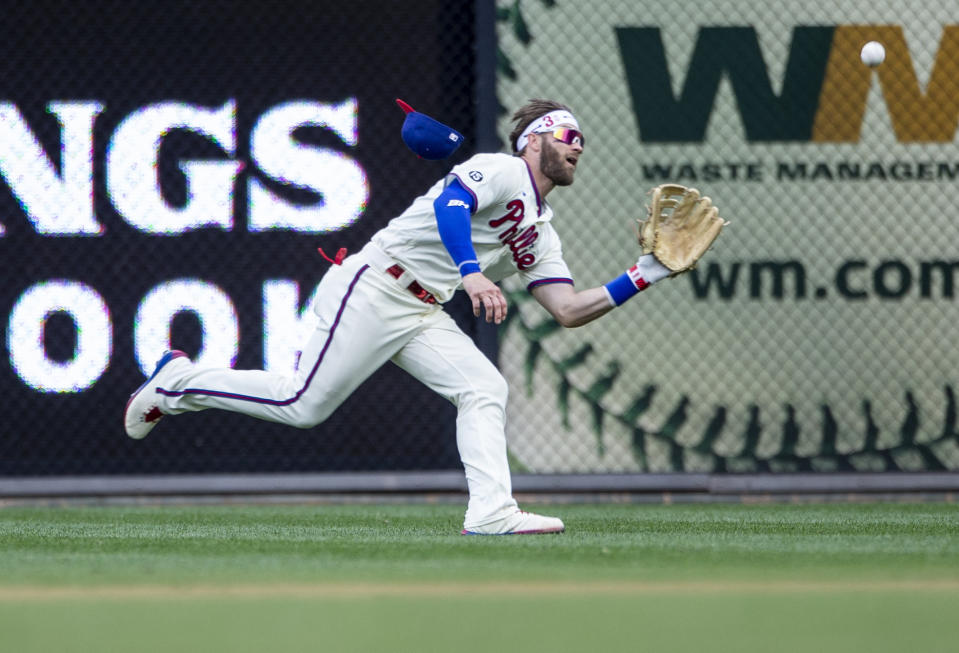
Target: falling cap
{"x":428,"y":138}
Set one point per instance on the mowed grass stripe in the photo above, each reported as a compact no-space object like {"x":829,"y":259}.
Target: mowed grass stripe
{"x":607,"y":546}
{"x":471,"y":590}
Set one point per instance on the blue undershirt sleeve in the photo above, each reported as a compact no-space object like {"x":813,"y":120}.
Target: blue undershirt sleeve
{"x":454,"y":208}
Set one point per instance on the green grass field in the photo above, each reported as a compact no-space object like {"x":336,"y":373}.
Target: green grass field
{"x":624,"y":577}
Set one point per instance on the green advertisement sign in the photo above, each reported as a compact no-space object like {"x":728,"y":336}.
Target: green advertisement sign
{"x":819,"y":333}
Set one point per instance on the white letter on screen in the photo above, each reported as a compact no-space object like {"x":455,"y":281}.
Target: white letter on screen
{"x":57,"y":204}
{"x":132,"y":165}
{"x":286,"y":328}
{"x":94,"y":334}
{"x":338,"y":178}
{"x":213,"y":308}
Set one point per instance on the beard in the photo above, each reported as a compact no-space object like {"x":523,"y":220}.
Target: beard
{"x":554,"y":166}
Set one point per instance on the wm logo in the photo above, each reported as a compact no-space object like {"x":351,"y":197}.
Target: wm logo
{"x":824,"y":91}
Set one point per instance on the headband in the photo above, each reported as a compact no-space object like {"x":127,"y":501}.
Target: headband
{"x":550,"y":120}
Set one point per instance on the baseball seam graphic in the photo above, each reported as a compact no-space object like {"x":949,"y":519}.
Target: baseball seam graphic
{"x":786,"y":459}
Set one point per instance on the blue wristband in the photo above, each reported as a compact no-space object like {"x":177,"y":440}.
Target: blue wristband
{"x":626,"y":285}
{"x":621,"y":288}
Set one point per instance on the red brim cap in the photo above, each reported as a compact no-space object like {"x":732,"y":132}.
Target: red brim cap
{"x":426,"y":137}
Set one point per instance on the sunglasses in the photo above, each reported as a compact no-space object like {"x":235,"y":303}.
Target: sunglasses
{"x":568,"y":136}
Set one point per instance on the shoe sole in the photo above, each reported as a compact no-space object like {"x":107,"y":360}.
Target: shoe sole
{"x":166,"y":358}
{"x":543,"y":531}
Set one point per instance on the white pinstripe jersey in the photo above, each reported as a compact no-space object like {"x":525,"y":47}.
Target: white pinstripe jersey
{"x":511,"y":230}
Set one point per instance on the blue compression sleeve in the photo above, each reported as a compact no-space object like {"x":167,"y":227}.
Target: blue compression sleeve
{"x":453,"y":209}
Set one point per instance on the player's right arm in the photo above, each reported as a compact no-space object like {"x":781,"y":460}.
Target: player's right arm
{"x":485,"y":293}
{"x":454,"y":208}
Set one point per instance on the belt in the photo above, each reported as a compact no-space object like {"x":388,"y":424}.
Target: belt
{"x":421,"y":293}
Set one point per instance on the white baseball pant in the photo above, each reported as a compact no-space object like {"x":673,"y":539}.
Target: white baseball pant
{"x":366,"y":318}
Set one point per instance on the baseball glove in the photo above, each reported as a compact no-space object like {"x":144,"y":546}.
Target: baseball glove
{"x":679,"y":227}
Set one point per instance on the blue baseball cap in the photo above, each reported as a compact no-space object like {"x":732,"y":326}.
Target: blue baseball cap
{"x":428,"y":138}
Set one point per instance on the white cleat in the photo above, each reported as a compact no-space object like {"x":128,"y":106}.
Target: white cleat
{"x":519,"y":523}
{"x":142,"y":412}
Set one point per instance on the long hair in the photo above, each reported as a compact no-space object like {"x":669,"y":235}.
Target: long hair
{"x":528,"y":113}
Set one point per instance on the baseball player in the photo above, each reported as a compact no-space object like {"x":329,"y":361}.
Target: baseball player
{"x":486,"y":220}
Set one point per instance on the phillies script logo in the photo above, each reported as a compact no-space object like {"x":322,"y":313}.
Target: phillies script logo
{"x":519,"y":242}
{"x":824,"y":89}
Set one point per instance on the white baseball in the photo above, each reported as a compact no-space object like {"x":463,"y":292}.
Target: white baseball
{"x":872,"y":54}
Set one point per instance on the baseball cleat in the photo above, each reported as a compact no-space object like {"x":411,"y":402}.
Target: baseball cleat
{"x":142,"y":412}
{"x":519,"y":523}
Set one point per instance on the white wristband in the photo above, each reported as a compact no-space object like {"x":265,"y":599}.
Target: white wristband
{"x":651,"y":269}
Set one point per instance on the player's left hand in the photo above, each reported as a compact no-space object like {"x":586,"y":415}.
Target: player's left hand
{"x":485,"y":293}
{"x":681,"y":225}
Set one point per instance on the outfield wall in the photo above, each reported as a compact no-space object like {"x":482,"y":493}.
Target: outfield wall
{"x":169,"y":169}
